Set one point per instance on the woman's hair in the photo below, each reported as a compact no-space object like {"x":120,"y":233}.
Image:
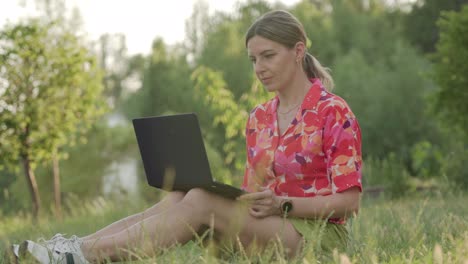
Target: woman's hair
{"x":282,"y":27}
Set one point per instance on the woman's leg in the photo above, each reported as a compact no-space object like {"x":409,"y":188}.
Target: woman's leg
{"x":180,"y":222}
{"x":114,"y":228}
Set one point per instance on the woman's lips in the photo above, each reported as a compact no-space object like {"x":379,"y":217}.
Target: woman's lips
{"x":265,"y":80}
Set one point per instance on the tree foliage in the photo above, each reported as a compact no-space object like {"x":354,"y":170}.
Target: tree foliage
{"x":165,"y":84}
{"x":451,"y":70}
{"x":50,"y":94}
{"x":226,"y":111}
{"x":420,"y":25}
{"x":224,"y":47}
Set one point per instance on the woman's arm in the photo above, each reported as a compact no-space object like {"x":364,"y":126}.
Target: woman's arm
{"x":338,"y":205}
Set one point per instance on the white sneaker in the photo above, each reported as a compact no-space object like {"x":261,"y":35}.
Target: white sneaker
{"x":37,"y":253}
{"x":11,"y":254}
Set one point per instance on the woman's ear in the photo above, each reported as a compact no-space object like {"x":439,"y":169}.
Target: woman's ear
{"x":300,"y":49}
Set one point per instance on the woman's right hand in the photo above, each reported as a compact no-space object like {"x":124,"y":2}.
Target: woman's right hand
{"x":262,"y":203}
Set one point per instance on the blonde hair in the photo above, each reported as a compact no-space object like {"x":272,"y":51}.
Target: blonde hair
{"x":282,"y":27}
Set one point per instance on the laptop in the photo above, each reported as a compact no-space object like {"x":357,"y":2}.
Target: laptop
{"x":174,"y":156}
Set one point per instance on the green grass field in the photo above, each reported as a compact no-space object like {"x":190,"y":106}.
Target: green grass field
{"x":409,"y":230}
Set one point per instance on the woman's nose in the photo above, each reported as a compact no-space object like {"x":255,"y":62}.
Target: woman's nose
{"x":259,"y":67}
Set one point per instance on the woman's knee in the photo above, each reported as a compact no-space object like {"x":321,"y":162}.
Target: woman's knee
{"x":170,"y":199}
{"x":198,"y":198}
{"x":175,"y":196}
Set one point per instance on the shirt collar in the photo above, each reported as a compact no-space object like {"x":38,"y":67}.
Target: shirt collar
{"x":310,"y":100}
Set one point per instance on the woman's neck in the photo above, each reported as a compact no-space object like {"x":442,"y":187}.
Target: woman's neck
{"x":294,"y":94}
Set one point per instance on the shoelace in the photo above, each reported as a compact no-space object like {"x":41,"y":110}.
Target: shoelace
{"x":59,"y":243}
{"x":51,"y":242}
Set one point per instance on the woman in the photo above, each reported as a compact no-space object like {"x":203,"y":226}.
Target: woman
{"x":303,"y":168}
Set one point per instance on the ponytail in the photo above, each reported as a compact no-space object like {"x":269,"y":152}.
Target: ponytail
{"x":314,"y":69}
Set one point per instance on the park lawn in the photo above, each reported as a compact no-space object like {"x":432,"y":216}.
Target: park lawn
{"x":414,"y":229}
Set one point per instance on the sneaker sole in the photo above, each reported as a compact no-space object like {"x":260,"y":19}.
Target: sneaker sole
{"x":33,"y":253}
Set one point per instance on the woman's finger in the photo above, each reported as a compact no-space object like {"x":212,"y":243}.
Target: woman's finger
{"x":266,"y":202}
{"x":256,"y":213}
{"x":252,"y":196}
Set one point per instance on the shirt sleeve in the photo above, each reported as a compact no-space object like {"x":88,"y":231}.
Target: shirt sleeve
{"x":257,"y":160}
{"x":342,"y":147}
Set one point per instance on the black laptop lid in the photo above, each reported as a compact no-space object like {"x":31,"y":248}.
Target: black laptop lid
{"x":172,"y":151}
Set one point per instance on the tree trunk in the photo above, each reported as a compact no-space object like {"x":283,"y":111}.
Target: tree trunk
{"x":57,"y":191}
{"x":32,"y":185}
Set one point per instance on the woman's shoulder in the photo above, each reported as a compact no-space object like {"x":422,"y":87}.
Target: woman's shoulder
{"x":330,"y":102}
{"x":262,"y":114}
{"x":265,"y":107}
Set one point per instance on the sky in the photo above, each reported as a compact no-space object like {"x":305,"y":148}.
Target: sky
{"x":140,"y":20}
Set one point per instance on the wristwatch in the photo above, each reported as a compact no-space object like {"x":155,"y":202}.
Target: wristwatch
{"x":286,"y":206}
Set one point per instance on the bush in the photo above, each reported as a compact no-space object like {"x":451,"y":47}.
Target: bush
{"x":450,"y":69}
{"x":426,"y":160}
{"x":389,"y":174}
{"x":454,"y":167}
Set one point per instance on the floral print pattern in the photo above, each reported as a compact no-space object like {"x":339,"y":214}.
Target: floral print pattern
{"x":318,"y":154}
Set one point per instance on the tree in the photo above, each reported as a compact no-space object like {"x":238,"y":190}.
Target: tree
{"x":196,"y":26}
{"x":223,"y":47}
{"x":451,"y":68}
{"x":50,"y":90}
{"x":57,"y":11}
{"x":227,"y":112}
{"x":420,"y":24}
{"x":165,"y":83}
{"x":121,"y":72}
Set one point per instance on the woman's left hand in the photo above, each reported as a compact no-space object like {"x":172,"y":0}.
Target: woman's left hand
{"x":262,"y":204}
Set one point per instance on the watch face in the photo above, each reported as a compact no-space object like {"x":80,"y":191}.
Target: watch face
{"x":287,"y":207}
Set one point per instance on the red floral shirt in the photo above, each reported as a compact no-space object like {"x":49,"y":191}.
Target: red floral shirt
{"x":318,"y":154}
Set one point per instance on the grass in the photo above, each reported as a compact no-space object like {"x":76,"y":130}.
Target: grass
{"x":409,"y":230}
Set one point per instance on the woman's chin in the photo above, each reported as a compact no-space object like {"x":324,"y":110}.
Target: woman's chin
{"x":269,"y":88}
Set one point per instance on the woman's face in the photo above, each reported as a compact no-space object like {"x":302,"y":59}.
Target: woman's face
{"x":274,"y":64}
